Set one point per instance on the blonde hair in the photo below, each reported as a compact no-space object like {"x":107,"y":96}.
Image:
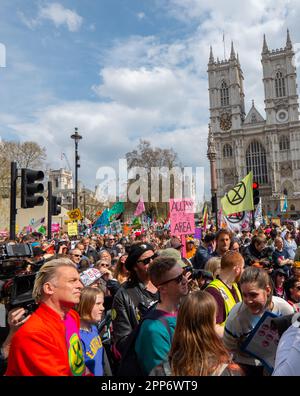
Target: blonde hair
{"x":87,"y":301}
{"x":46,"y":273}
{"x":213,"y":265}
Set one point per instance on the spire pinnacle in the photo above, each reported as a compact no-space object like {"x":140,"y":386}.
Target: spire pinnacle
{"x":232,"y":54}
{"x":211,"y":56}
{"x":265,"y":49}
{"x":288,"y":41}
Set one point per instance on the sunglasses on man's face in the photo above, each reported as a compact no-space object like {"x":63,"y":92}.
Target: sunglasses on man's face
{"x":178,"y":279}
{"x":77,"y":255}
{"x":147,"y":260}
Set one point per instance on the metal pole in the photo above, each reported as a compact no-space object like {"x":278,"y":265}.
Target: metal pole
{"x":49,"y":210}
{"x":84,"y":208}
{"x":13,"y":195}
{"x":76,"y":174}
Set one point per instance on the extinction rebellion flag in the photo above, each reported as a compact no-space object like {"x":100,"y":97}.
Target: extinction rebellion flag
{"x":240,"y":198}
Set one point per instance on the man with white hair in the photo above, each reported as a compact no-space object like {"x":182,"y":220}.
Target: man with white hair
{"x":48,"y":344}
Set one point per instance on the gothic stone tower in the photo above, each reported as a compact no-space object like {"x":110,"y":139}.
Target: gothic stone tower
{"x":269,"y":147}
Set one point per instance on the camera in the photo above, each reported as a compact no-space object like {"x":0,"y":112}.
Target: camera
{"x":18,"y":275}
{"x":199,"y":273}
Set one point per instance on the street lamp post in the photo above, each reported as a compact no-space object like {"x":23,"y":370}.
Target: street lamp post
{"x":212,"y":156}
{"x":76,"y":138}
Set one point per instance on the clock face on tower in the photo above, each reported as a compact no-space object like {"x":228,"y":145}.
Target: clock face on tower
{"x":225,"y":122}
{"x":282,"y":115}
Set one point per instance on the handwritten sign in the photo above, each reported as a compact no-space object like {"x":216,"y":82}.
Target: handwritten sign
{"x":72,"y":229}
{"x":182,"y":217}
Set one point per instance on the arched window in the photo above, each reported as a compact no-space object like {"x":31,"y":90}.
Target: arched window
{"x":284,"y":143}
{"x":256,"y":161}
{"x":224,"y":94}
{"x":227,"y":151}
{"x":279,"y":85}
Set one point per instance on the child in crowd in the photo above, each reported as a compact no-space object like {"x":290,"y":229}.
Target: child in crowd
{"x":91,"y":310}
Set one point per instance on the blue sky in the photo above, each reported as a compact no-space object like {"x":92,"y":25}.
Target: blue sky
{"x":121,"y":70}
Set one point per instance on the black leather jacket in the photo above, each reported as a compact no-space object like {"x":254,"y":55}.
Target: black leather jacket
{"x":130,"y":304}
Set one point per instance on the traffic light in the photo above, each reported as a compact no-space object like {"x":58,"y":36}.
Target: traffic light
{"x":55,"y":205}
{"x":29,"y":188}
{"x":255,"y":186}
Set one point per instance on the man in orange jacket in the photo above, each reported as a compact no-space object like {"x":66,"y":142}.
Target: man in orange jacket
{"x":48,"y":344}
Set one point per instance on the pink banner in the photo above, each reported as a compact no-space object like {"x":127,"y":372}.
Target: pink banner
{"x":182,"y":217}
{"x":55,"y":227}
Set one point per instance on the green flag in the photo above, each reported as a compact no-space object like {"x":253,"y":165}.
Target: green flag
{"x":118,"y":207}
{"x":240,"y":198}
{"x":136,"y":221}
{"x":42,"y":230}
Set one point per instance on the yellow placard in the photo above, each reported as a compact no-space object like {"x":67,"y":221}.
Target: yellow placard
{"x":276,"y":221}
{"x":72,"y":229}
{"x":75,"y":214}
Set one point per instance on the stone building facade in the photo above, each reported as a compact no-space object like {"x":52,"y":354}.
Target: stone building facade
{"x":268,"y":145}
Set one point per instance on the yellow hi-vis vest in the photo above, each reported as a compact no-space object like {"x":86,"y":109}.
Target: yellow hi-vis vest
{"x":229,"y":301}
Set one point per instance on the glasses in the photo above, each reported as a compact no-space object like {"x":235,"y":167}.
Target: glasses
{"x":111,"y":239}
{"x":77,"y":255}
{"x":178,"y":279}
{"x":105,"y":265}
{"x":147,"y":260}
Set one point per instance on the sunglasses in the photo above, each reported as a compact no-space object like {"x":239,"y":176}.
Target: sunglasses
{"x":178,"y":279}
{"x":147,"y":260}
{"x":77,"y":255}
{"x":105,"y":265}
{"x":111,"y":239}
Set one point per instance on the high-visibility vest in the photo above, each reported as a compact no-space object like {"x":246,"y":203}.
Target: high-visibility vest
{"x":225,"y":292}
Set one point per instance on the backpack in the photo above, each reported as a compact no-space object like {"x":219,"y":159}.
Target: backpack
{"x":129,"y":365}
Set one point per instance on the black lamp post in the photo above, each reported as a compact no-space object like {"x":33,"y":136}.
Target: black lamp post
{"x":76,"y":138}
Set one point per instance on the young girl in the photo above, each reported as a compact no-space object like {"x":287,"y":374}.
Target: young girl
{"x":196,"y":349}
{"x":91,"y":310}
{"x":256,"y":288}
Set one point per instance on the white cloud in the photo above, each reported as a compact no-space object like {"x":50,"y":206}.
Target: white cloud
{"x":158,"y":90}
{"x":141,"y":15}
{"x":55,"y":13}
{"x":59,"y":15}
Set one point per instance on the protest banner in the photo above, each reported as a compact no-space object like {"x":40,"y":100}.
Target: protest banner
{"x":182,"y":219}
{"x":198,"y":233}
{"x":116,"y":226}
{"x":72,"y":229}
{"x":55,"y":227}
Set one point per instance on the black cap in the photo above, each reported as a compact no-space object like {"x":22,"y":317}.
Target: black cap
{"x":135,"y":253}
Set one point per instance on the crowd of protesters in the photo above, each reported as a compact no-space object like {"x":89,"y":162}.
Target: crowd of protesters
{"x":178,"y":310}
